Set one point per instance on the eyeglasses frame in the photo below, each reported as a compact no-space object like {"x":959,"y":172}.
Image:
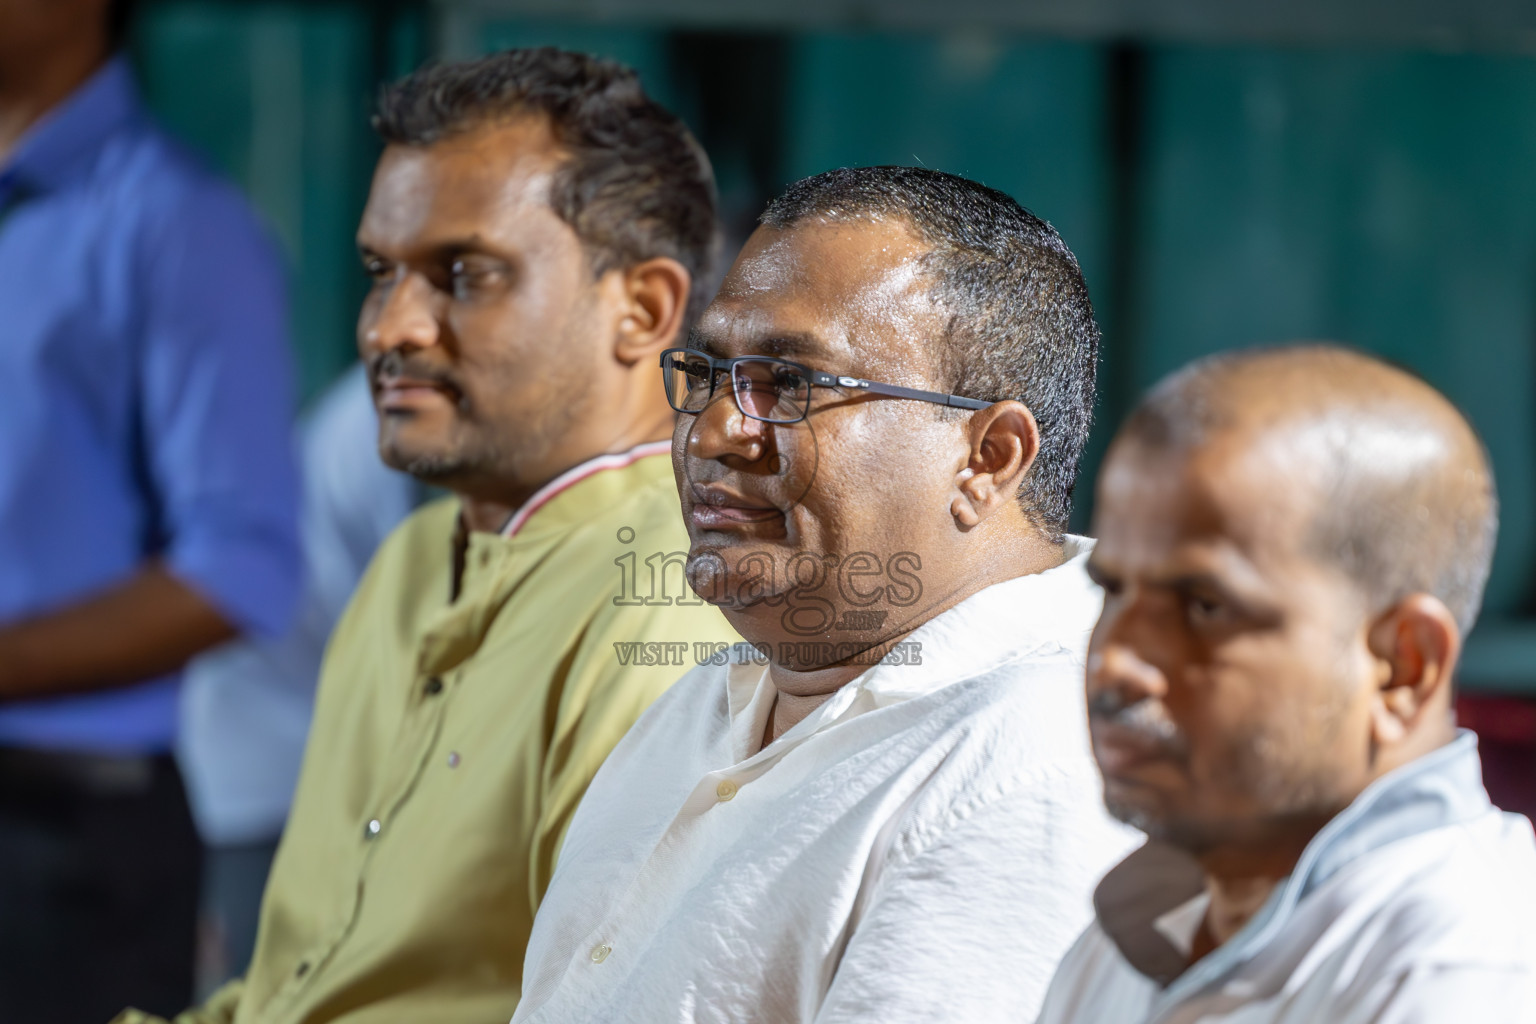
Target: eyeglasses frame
{"x":817,"y":378}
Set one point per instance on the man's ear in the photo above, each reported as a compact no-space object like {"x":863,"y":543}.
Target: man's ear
{"x":1416,"y":645}
{"x":651,"y":301}
{"x":1004,"y":440}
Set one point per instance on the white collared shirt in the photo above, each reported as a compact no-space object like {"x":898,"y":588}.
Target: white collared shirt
{"x":921,"y":847}
{"x":1416,"y":905}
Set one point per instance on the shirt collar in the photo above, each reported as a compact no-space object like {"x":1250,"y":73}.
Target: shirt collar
{"x":564,"y":515}
{"x":73,"y":130}
{"x":1440,"y":789}
{"x":488,"y":568}
{"x":1047,"y":611}
{"x":575,"y":475}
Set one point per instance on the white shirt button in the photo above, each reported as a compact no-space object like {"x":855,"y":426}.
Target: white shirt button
{"x":725,"y":790}
{"x":600,"y":952}
{"x":373,"y":829}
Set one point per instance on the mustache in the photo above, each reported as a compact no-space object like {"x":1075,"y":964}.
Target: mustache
{"x":396,"y":363}
{"x":1142,"y":717}
{"x":765,"y":481}
{"x":702,"y":495}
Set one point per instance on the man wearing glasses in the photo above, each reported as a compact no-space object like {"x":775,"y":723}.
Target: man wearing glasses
{"x":533,"y":231}
{"x":885,"y":809}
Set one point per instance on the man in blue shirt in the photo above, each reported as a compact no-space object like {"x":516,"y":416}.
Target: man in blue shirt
{"x":147,"y":508}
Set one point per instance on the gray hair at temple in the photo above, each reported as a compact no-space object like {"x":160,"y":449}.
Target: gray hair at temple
{"x":1405,"y":502}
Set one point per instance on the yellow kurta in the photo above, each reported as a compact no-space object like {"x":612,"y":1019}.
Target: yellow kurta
{"x":451,"y":743}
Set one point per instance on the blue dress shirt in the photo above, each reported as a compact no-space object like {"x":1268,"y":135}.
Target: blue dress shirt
{"x":145,"y":396}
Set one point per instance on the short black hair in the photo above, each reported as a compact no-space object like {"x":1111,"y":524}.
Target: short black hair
{"x":636,"y":186}
{"x":1021,"y":323}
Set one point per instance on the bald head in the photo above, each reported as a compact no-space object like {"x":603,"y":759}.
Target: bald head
{"x":1393,"y":483}
{"x":1292,"y":543}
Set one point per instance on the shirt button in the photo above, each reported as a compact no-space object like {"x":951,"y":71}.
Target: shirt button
{"x":433,"y":687}
{"x":726,"y":789}
{"x":372,"y":828}
{"x":302,"y":969}
{"x":453,"y":759}
{"x":600,"y":952}
{"x":485,"y":556}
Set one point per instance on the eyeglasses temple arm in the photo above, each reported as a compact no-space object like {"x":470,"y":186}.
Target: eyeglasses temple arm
{"x":937,"y":397}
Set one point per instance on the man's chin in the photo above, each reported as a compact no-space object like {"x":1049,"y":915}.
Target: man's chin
{"x":737,"y":576}
{"x":1134,"y":815}
{"x":429,"y":465}
{"x":1161,"y":826}
{"x":1136,"y":806}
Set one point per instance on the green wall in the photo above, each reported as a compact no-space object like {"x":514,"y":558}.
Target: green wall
{"x":1216,"y":196}
{"x":1023,"y":116}
{"x":1383,"y":199}
{"x":275,"y":95}
{"x":644,"y":49}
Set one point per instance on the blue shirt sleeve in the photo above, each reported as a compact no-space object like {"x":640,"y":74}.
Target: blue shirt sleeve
{"x":217,"y":407}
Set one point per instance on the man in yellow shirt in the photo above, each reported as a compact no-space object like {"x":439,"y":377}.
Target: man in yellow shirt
{"x":533,"y":232}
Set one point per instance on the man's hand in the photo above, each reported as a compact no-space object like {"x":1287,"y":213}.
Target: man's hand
{"x":143,"y":628}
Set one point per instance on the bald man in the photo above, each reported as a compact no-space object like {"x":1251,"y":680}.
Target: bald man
{"x":1292,"y":545}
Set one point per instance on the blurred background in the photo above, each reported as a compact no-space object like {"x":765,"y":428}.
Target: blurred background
{"x":1229,"y":174}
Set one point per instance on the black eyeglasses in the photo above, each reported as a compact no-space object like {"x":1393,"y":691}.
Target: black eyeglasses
{"x":771,"y":390}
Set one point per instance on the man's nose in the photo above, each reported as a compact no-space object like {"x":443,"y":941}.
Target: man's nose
{"x":1123,"y":658}
{"x":406,"y":317}
{"x":721,"y":431}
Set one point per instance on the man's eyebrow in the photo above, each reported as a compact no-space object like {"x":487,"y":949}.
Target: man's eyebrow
{"x":1192,"y":580}
{"x":457,"y":246}
{"x":439,"y":250}
{"x":701,"y":342}
{"x":790,"y":344}
{"x":1239,"y":583}
{"x":1214,"y":566}
{"x":781,"y":345}
{"x":1204,"y":568}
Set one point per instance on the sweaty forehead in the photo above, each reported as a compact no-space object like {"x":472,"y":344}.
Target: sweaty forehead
{"x":1232,"y":493}
{"x":485,"y":182}
{"x":852,"y":290}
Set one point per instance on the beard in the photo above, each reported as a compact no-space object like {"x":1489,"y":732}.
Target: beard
{"x":1149,"y":720}
{"x":465,"y":455}
{"x":441,"y":468}
{"x":1260,"y":786}
{"x":1186,"y":833}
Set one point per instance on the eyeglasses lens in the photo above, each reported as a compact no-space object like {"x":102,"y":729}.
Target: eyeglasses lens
{"x":688,"y":382}
{"x":765,"y":389}
{"x":770,"y":390}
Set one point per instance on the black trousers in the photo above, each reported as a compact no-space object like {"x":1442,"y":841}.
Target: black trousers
{"x":99,"y":876}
